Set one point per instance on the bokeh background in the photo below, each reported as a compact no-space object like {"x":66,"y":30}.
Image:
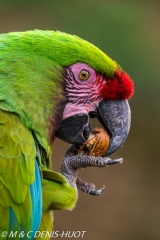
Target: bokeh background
{"x":129,"y":32}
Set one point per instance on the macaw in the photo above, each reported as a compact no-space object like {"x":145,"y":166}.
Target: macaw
{"x":51,"y":83}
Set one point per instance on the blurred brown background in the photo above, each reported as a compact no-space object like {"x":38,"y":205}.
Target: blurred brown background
{"x":129,"y":32}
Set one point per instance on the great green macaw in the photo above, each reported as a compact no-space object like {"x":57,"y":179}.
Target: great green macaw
{"x":50,"y":84}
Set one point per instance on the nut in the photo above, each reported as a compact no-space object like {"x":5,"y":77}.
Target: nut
{"x":97,"y":143}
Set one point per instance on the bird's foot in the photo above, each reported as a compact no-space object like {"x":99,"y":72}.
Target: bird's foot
{"x":88,"y":187}
{"x":73,"y":162}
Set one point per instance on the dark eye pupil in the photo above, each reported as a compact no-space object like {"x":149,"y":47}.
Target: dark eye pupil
{"x":84,"y":75}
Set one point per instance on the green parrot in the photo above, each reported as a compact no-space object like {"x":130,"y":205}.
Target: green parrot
{"x":51,"y":83}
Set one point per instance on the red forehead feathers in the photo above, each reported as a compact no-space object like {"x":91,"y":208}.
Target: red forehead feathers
{"x":119,"y":87}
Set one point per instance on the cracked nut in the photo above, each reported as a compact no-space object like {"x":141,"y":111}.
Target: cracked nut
{"x":97,"y":143}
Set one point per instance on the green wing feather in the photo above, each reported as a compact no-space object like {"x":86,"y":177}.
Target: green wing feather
{"x":57,"y":192}
{"x":17,"y":169}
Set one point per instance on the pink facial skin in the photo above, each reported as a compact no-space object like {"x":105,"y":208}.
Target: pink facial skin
{"x":83,"y":95}
{"x":77,"y":67}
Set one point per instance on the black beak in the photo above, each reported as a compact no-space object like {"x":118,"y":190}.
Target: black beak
{"x":113,"y":115}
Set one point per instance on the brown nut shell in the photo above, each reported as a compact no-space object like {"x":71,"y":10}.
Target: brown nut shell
{"x":97,"y":143}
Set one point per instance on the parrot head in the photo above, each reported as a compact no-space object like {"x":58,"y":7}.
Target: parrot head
{"x":58,"y":81}
{"x":96,"y":87}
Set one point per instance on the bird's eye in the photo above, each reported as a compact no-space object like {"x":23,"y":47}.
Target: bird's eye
{"x":84,"y":75}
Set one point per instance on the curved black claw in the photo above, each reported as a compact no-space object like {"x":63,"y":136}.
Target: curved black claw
{"x":88,"y":187}
{"x":97,"y":192}
{"x":119,"y":160}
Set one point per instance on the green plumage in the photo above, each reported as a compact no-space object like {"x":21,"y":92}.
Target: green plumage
{"x":17,"y":168}
{"x":29,"y":78}
{"x":60,"y":47}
